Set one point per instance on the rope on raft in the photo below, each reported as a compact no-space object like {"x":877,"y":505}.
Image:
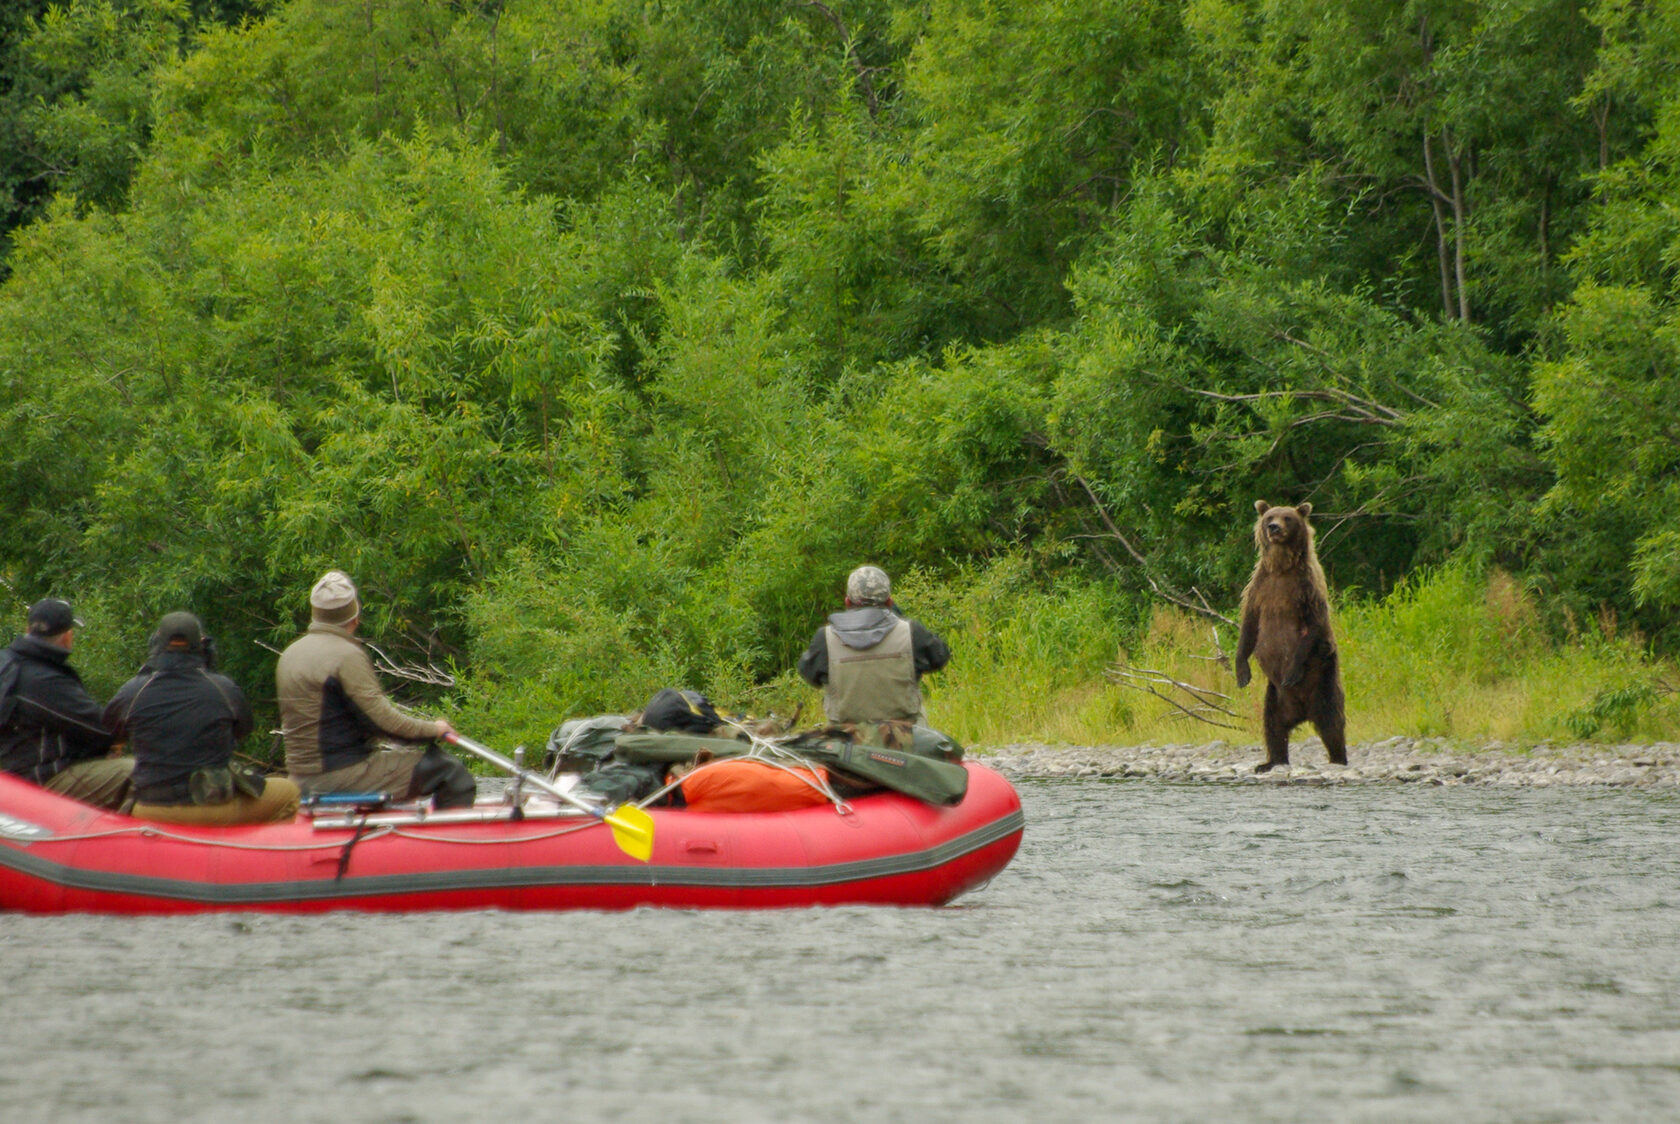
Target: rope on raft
{"x":770,"y":753}
{"x":374,"y":832}
{"x":149,"y":832}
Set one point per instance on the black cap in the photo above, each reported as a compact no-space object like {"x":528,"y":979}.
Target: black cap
{"x":179,"y":631}
{"x":51,"y":617}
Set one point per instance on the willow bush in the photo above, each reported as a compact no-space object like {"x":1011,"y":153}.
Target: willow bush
{"x":599,"y":341}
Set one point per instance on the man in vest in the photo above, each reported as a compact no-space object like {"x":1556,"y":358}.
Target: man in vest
{"x":51,"y":731}
{"x":868,"y":659}
{"x":332,"y":709}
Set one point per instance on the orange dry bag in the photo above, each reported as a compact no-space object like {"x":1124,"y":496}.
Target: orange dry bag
{"x":741,"y":784}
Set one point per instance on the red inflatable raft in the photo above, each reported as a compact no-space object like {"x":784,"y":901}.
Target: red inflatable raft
{"x":59,"y":856}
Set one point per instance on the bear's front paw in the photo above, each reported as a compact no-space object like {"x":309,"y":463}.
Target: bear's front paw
{"x":1242,"y":675}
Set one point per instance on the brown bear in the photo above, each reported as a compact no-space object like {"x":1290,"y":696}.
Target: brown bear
{"x":1286,"y":628}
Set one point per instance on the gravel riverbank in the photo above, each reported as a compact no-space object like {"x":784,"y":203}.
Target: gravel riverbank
{"x":1391,"y":761}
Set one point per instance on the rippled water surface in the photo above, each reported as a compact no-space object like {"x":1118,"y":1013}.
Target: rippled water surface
{"x":1156,"y":952}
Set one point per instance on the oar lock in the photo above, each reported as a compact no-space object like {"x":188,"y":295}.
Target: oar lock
{"x":514,"y":794}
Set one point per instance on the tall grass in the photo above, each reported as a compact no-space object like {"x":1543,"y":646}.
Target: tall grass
{"x":1450,"y":654}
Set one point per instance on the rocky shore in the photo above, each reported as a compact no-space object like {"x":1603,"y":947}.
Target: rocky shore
{"x":1391,"y":761}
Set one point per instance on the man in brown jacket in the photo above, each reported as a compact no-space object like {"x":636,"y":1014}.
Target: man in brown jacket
{"x":332,"y":708}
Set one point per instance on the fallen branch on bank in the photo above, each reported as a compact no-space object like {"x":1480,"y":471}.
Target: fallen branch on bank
{"x":1205,"y":703}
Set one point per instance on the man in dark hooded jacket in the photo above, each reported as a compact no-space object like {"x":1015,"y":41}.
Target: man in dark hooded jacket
{"x":183,"y":721}
{"x":50,"y":727}
{"x":868,"y":659}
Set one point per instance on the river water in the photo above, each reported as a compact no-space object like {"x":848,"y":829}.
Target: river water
{"x":1156,"y":952}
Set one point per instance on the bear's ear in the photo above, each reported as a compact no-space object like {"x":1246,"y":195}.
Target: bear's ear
{"x":1305,"y":509}
{"x":1261,"y":506}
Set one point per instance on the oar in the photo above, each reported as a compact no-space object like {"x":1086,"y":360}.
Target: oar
{"x":632,"y":828}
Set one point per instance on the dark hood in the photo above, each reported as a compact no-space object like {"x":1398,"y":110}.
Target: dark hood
{"x":160,"y":658}
{"x":36,"y":648}
{"x":863,"y":628}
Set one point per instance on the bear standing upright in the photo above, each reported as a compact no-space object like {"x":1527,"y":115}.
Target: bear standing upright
{"x":1286,"y":628}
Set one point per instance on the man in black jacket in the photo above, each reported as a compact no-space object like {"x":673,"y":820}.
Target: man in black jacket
{"x":869,"y":659}
{"x":183,"y":721}
{"x":50,"y":727}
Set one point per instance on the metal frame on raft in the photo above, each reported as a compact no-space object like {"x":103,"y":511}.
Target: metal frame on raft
{"x":407,"y":815}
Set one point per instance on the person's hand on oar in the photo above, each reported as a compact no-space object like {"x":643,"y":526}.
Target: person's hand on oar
{"x":632,"y":828}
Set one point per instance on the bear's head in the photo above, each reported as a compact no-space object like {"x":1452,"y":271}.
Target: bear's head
{"x":1282,"y":530}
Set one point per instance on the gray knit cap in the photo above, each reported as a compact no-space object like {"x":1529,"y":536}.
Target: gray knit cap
{"x":868,"y":585}
{"x":333,"y":600}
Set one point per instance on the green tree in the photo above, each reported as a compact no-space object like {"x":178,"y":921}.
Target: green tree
{"x":1452,"y":129}
{"x":1196,"y":381}
{"x":75,"y":93}
{"x":1029,"y":120}
{"x":374,"y":364}
{"x":1608,"y":384}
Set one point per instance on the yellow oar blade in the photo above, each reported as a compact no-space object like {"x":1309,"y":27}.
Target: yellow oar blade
{"x":632,"y":830}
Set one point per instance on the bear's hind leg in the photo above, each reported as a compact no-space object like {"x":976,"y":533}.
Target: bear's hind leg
{"x":1331,"y":721}
{"x":1277,"y":728}
{"x":1334,"y":736}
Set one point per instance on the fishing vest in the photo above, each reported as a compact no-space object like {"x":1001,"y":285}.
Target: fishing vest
{"x":873,"y":684}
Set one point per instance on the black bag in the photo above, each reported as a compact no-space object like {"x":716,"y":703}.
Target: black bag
{"x":687,"y":712}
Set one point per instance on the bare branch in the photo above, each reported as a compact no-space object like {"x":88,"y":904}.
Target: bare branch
{"x":865,"y":73}
{"x":1418,"y":398}
{"x":1202,"y":705}
{"x":1203,"y":609}
{"x":1220,"y":655}
{"x":431,"y":674}
{"x":1362,"y":410}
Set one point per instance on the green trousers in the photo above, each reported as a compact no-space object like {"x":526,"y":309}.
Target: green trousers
{"x":102,"y":782}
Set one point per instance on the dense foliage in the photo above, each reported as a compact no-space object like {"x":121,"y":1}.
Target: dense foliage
{"x":599,"y":339}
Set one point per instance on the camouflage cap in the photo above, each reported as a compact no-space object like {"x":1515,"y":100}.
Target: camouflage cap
{"x":868,"y":585}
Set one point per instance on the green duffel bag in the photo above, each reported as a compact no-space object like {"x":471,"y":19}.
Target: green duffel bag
{"x":923,"y":776}
{"x":929,"y":742}
{"x":621,"y":783}
{"x":669,"y":749}
{"x":926,"y":778}
{"x":579,"y":745}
